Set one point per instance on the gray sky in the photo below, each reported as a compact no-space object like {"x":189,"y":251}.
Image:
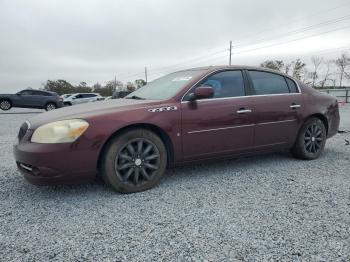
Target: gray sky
{"x":92,"y":41}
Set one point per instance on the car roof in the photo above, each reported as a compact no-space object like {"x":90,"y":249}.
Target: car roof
{"x":84,"y":93}
{"x":45,"y":91}
{"x":209,"y":69}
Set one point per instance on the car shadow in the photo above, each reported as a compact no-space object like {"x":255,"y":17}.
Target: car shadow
{"x":172,"y":177}
{"x":20,"y":113}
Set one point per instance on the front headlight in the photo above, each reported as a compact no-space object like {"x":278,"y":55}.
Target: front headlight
{"x":65,"y":131}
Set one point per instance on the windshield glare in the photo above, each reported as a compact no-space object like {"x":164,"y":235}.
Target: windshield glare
{"x":166,"y":86}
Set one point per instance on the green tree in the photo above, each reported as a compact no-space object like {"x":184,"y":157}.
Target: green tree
{"x":103,"y":91}
{"x":111,"y":86}
{"x":273,"y":64}
{"x":130,"y":87}
{"x":83,"y":88}
{"x":139,"y":83}
{"x":59,"y":86}
{"x":298,"y":67}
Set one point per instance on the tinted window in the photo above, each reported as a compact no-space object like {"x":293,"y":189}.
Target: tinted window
{"x":79,"y":96}
{"x":88,"y":95}
{"x":226,"y":84}
{"x":26,"y":92}
{"x":267,"y":83}
{"x":292,"y":86}
{"x":37,"y":93}
{"x":47,"y":94}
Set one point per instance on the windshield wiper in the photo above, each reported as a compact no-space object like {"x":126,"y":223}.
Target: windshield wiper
{"x":135,"y":97}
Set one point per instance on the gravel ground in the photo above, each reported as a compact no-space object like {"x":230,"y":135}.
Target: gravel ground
{"x":269,"y":207}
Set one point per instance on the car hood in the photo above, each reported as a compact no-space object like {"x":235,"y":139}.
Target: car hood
{"x":90,"y":110}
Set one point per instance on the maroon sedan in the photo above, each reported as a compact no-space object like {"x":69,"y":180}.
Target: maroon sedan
{"x":191,"y":115}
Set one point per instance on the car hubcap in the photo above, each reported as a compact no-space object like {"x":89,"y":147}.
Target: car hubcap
{"x":313,"y":139}
{"x":137,"y":161}
{"x":5,"y":105}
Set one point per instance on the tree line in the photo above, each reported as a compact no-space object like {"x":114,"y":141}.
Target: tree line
{"x":322,"y":73}
{"x":61,"y":87}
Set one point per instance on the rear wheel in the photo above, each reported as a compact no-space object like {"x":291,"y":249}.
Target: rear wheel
{"x":311,"y":140}
{"x":50,"y":106}
{"x":134,"y":161}
{"x":5,"y":104}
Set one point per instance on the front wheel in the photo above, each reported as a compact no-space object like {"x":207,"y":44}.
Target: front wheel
{"x":5,"y":104}
{"x":134,"y":161}
{"x":311,"y":140}
{"x":50,"y":106}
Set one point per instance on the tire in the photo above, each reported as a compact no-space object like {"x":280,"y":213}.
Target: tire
{"x":5,"y":104}
{"x":50,"y":106}
{"x":67,"y":103}
{"x":134,"y":161}
{"x":311,"y":140}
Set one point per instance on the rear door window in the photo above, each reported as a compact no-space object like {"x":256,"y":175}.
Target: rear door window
{"x":37,"y":93}
{"x":265,"y":83}
{"x":292,"y":86}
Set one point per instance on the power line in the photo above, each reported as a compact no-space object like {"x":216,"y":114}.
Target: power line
{"x":319,"y":52}
{"x":206,"y":57}
{"x":263,"y":31}
{"x":275,"y":44}
{"x":301,"y":30}
{"x":293,"y":40}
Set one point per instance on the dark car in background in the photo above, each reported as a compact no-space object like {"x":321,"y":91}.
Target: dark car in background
{"x":30,"y":98}
{"x":120,"y":94}
{"x":192,"y":115}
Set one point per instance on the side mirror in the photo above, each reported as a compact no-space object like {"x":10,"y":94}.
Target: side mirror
{"x":202,"y":92}
{"x":19,"y":94}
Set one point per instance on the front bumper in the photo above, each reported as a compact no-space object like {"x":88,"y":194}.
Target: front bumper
{"x":60,"y":104}
{"x":44,"y":164}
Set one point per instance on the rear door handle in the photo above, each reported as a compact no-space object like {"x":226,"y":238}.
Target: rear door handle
{"x":294,"y":106}
{"x":244,"y":111}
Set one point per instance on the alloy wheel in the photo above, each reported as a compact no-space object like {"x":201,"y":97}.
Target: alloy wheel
{"x":50,"y":107}
{"x":137,"y":161}
{"x":5,"y":105}
{"x":313,"y":138}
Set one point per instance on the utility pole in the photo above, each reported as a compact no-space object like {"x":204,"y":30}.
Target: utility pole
{"x":146,"y":74}
{"x":230,"y":52}
{"x":115,"y":83}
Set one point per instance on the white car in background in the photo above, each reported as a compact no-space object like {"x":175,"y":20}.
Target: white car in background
{"x":65,"y":96}
{"x":81,"y":98}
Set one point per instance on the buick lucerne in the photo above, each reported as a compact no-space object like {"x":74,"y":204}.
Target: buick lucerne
{"x":183,"y":117}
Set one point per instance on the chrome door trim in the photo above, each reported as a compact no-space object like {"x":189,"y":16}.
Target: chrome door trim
{"x":217,"y":129}
{"x":233,"y":127}
{"x":295,"y":106}
{"x":276,"y":122}
{"x":234,"y":97}
{"x":239,"y":69}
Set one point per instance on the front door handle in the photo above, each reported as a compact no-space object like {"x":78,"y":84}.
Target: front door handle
{"x":243,"y":111}
{"x":294,"y":106}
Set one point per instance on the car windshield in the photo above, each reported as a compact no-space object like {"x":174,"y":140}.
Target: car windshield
{"x":165,"y":87}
